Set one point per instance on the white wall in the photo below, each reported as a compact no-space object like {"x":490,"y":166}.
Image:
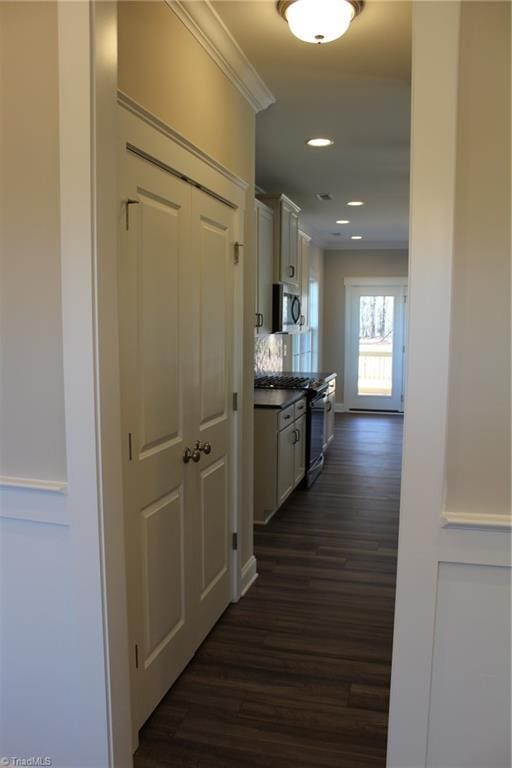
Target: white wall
{"x":31,"y":407}
{"x":337,"y":266}
{"x":58,"y":675}
{"x":451,"y":686}
{"x":478,"y":472}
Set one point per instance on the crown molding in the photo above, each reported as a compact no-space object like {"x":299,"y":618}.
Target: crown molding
{"x":209,"y":30}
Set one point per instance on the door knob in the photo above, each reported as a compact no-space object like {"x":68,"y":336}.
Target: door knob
{"x":206,"y":448}
{"x":191,"y":455}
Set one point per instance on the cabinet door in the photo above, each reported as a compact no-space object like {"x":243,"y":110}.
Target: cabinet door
{"x":285,"y":463}
{"x":293,"y":252}
{"x":265,"y":251}
{"x":299,"y":450}
{"x":285,"y":273}
{"x":304,"y":280}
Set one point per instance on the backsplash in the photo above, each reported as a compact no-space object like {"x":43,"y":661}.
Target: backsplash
{"x":269,"y":352}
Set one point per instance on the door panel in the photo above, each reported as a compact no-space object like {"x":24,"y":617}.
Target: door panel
{"x":211,"y":500}
{"x":285,"y":467}
{"x":159,"y":312}
{"x":214,"y":525}
{"x":162,"y":546}
{"x":214,"y":250}
{"x":154,"y":334}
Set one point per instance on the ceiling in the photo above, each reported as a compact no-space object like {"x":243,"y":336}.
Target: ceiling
{"x":355,"y":90}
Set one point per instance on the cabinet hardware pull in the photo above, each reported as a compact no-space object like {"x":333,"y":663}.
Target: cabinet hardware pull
{"x":206,"y":448}
{"x":291,"y":270}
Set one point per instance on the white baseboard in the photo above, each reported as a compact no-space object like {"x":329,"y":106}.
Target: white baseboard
{"x":249,"y":575}
{"x":339,"y":408}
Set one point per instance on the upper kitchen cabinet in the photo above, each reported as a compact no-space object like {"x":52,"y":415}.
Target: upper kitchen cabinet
{"x":265,"y":266}
{"x":286,"y":239}
{"x":304,"y":245}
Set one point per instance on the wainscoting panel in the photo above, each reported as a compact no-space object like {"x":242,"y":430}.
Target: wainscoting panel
{"x":470,"y":699}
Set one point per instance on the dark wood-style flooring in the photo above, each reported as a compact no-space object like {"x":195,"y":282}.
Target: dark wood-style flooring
{"x":297,"y":673}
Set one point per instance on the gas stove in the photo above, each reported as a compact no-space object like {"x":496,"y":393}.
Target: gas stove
{"x":287,"y":381}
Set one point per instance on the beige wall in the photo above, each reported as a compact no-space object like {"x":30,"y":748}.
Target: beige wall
{"x":163,"y":68}
{"x":31,"y":373}
{"x":479,"y":405}
{"x":337,"y":266}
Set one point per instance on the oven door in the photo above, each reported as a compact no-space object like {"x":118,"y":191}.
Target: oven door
{"x":315,"y":455}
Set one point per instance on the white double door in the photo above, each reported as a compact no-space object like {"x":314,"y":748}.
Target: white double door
{"x":176,"y":335}
{"x":375,"y":336}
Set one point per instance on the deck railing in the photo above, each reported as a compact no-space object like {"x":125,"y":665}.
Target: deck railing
{"x":375,"y":371}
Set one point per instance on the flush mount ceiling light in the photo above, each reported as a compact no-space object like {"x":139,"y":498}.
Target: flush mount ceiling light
{"x":319,"y":142}
{"x":356,"y":237}
{"x":355,"y":202}
{"x":342,"y":221}
{"x":319,"y":21}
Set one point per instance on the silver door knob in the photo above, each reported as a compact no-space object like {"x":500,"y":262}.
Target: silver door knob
{"x":191,"y":455}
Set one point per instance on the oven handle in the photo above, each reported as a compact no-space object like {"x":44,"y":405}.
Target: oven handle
{"x":319,"y":401}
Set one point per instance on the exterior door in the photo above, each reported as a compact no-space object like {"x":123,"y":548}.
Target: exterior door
{"x":374,"y":347}
{"x":176,"y":337}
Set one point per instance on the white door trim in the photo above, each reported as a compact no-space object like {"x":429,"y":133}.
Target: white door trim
{"x":88,"y":194}
{"x":433,"y":166}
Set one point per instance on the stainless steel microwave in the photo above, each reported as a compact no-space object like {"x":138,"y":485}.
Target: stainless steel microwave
{"x":286,"y":310}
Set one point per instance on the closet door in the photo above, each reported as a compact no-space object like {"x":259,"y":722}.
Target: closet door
{"x":210,"y":500}
{"x":176,"y":331}
{"x":155,"y":335}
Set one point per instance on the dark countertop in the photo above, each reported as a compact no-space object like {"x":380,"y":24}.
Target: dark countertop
{"x":277,"y":398}
{"x":282,"y":398}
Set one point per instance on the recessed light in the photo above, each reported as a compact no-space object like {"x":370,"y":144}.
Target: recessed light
{"x":356,"y":237}
{"x":356,"y":202}
{"x":342,"y":221}
{"x":320,"y":142}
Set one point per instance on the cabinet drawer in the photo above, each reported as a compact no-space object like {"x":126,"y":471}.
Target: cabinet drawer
{"x":300,"y":408}
{"x":286,"y":417}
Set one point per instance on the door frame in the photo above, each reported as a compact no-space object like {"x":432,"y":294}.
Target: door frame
{"x":352,"y":284}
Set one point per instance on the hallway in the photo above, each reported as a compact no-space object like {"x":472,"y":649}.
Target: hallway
{"x":297,"y":673}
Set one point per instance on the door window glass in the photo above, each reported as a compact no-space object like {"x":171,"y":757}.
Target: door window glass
{"x":375,"y":363}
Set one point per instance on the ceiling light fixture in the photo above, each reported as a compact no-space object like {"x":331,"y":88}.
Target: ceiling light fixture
{"x":319,"y":142}
{"x":355,"y":202}
{"x":356,"y":237}
{"x":319,"y":21}
{"x":342,"y":221}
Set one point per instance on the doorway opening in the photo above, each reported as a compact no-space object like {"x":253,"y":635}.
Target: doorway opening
{"x":375,"y":348}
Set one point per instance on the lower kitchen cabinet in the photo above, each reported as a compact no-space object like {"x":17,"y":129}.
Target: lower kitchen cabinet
{"x":279,"y":456}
